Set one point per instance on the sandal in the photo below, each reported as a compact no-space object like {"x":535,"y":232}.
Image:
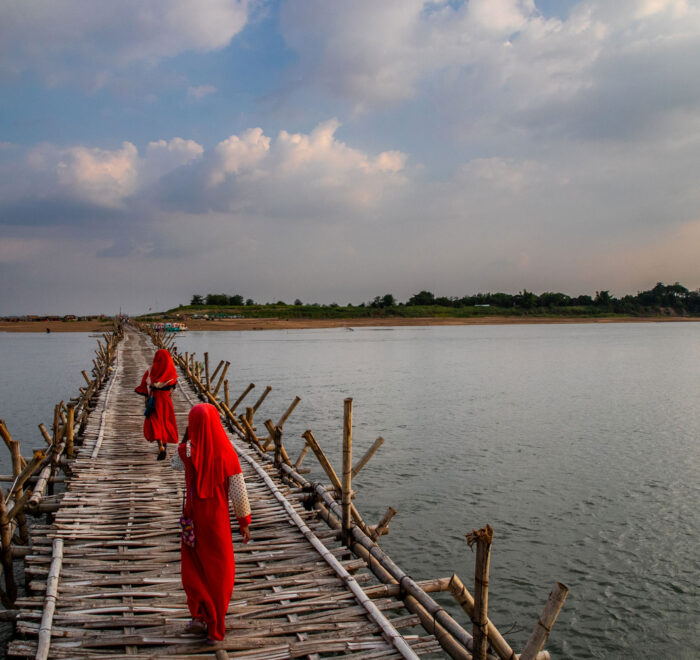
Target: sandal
{"x":196,"y":627}
{"x":161,"y":454}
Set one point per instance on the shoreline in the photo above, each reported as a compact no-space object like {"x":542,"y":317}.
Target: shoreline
{"x":233,"y":325}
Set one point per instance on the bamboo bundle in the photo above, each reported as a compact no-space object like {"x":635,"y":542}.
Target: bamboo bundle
{"x":50,"y":601}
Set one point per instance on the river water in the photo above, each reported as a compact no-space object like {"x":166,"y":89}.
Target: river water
{"x":577,"y":443}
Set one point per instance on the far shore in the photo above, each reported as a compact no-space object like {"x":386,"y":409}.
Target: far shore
{"x":306,"y":324}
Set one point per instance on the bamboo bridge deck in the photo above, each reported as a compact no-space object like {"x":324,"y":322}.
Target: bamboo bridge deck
{"x":113,"y":549}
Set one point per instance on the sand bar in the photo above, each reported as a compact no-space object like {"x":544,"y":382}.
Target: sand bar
{"x":305,"y":324}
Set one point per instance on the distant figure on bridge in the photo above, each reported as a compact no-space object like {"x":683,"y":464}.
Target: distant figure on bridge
{"x":160,"y":424}
{"x":212,"y":477}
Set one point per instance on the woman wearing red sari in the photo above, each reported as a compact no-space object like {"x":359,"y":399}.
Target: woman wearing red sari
{"x":160,"y":424}
{"x":212,"y":477}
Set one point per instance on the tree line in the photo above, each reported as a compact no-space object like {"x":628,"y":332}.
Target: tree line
{"x":674,"y":297}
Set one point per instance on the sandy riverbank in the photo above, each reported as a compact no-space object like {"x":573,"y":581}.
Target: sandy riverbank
{"x":303,"y":324}
{"x":55,"y":326}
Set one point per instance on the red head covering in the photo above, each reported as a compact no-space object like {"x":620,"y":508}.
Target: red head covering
{"x":163,"y":368}
{"x":213,"y":456}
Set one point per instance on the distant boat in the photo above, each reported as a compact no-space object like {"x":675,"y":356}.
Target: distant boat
{"x":169,"y":327}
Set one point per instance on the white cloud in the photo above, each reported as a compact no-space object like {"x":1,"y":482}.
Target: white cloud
{"x":200,"y":92}
{"x":68,"y":41}
{"x":499,"y":69}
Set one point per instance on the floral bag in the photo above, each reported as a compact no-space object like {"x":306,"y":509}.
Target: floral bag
{"x":186,"y":527}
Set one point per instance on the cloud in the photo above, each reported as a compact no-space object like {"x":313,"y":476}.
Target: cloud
{"x":78,"y":41}
{"x":500,"y":70}
{"x":200,"y":92}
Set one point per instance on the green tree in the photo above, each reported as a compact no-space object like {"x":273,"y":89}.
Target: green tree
{"x":236,"y":300}
{"x":422,"y":298}
{"x":298,"y":302}
{"x":197,"y":300}
{"x":217,"y":299}
{"x":249,"y":302}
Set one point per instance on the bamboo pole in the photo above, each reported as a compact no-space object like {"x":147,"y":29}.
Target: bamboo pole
{"x":483,"y":539}
{"x":544,"y":624}
{"x":276,"y":434}
{"x":226,"y":392}
{"x":347,"y":469}
{"x":216,"y":372}
{"x":498,"y":643}
{"x":243,"y":396}
{"x":330,"y":472}
{"x":6,"y":553}
{"x":250,"y":434}
{"x":302,"y":455}
{"x":365,"y":459}
{"x":288,"y":412}
{"x":221,"y":380}
{"x":382,"y":526}
{"x":46,"y":435}
{"x":42,"y":651}
{"x":56,"y":418}
{"x":19,"y":492}
{"x":69,"y":432}
{"x":263,"y":396}
{"x":206,"y":369}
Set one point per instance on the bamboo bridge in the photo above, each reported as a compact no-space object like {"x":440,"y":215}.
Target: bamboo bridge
{"x":101,"y":568}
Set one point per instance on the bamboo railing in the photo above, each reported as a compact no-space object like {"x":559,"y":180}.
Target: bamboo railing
{"x":33,"y":476}
{"x":334,"y":504}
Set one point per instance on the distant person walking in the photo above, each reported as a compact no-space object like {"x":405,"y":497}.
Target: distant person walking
{"x":212,"y":477}
{"x":160,"y":424}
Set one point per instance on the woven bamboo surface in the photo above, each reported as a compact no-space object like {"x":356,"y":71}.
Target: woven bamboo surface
{"x":119,"y":590}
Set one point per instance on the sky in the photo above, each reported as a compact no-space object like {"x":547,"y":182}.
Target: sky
{"x":336,"y":150}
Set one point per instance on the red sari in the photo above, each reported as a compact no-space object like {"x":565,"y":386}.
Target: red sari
{"x":157,"y":382}
{"x":208,"y":569}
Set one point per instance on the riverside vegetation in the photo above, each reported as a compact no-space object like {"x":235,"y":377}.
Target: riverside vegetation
{"x":661,"y":300}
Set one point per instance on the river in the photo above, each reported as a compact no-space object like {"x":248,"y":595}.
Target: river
{"x":577,"y":443}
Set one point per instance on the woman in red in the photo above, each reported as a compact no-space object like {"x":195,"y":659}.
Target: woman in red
{"x":160,"y":424}
{"x":212,"y":477}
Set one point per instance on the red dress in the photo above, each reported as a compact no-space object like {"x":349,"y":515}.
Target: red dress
{"x":157,"y":382}
{"x":208,"y":569}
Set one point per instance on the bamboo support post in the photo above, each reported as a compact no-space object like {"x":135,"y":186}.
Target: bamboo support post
{"x":226,"y":392}
{"x":365,"y":459}
{"x":18,"y":491}
{"x":483,"y":539}
{"x":347,"y":469}
{"x":46,"y":435}
{"x":85,"y":376}
{"x":237,"y":402}
{"x":6,"y":553}
{"x":466,"y":601}
{"x":69,"y":433}
{"x":44,"y":643}
{"x":276,"y":435}
{"x":330,"y":472}
{"x":302,"y":455}
{"x":232,"y":418}
{"x":206,"y":369}
{"x":263,"y":396}
{"x":544,"y":624}
{"x":216,"y":372}
{"x":382,"y":526}
{"x":5,"y":433}
{"x":221,"y":380}
{"x":56,"y":419}
{"x":288,"y":412}
{"x":250,"y":434}
{"x":28,"y":471}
